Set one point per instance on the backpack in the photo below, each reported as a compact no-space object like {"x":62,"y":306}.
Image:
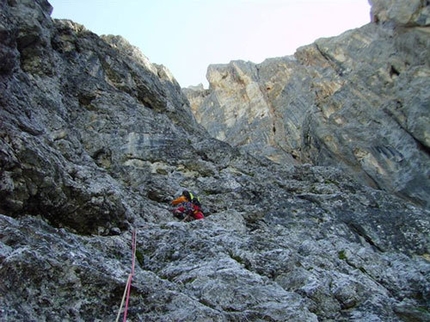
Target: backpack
{"x":195,"y":199}
{"x":191,"y":197}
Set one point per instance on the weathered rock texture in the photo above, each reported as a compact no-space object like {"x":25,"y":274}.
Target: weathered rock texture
{"x":410,"y":13}
{"x":359,"y":101}
{"x":94,"y":143}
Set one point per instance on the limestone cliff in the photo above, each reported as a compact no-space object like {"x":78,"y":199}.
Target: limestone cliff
{"x":359,"y":102}
{"x":94,"y":143}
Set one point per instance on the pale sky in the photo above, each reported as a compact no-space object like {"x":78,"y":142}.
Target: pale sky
{"x":187,"y":36}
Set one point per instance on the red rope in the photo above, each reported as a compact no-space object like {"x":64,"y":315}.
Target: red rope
{"x":133,"y":242}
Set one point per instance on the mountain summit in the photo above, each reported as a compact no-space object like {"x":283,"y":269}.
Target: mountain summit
{"x":358,"y":102}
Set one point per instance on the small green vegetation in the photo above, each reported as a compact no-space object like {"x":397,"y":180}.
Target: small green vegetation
{"x":139,"y":257}
{"x":237,"y":259}
{"x":423,"y":310}
{"x":342,"y":255}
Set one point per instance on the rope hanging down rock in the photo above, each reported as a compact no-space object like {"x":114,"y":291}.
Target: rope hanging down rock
{"x":126,"y":295}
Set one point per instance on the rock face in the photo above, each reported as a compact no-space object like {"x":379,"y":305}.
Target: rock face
{"x":77,"y":111}
{"x":411,"y":13}
{"x":358,"y":101}
{"x":94,"y":143}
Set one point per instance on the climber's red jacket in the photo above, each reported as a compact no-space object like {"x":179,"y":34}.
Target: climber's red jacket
{"x":197,"y":213}
{"x":190,"y":209}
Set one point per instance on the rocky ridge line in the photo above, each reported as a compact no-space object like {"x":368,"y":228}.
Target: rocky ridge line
{"x":358,"y":101}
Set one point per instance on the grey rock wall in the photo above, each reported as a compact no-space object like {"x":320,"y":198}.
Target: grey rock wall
{"x":94,"y":143}
{"x":409,"y":13}
{"x":358,"y":101}
{"x":71,"y":131}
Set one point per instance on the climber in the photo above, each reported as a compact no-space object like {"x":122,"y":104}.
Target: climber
{"x":189,"y":207}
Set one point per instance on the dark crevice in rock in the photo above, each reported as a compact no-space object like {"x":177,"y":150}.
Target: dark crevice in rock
{"x":394,"y":71}
{"x":360,"y":231}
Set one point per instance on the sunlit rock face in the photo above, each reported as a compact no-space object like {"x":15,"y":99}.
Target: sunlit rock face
{"x":358,"y":101}
{"x":94,"y":143}
{"x":410,"y":13}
